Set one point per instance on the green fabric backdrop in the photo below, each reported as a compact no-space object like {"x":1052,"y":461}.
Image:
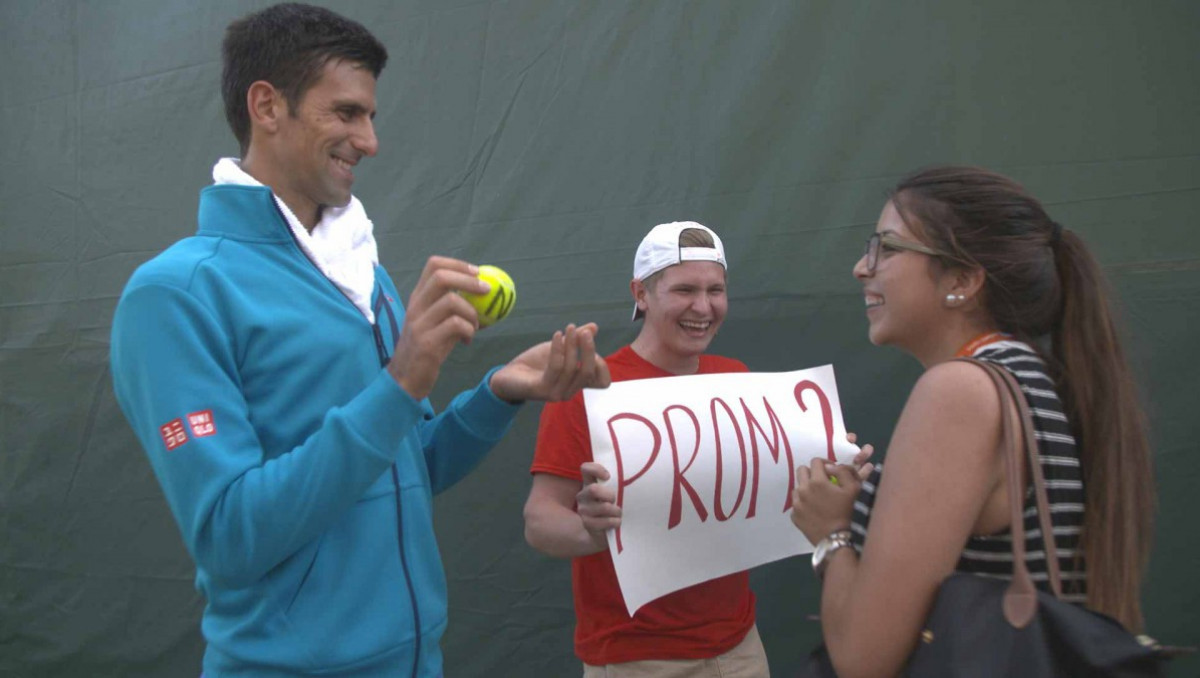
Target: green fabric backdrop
{"x":545,"y":137}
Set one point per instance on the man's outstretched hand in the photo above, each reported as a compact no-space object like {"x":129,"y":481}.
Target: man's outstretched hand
{"x":554,"y":370}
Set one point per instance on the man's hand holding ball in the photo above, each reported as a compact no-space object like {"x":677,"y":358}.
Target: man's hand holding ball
{"x":497,"y":302}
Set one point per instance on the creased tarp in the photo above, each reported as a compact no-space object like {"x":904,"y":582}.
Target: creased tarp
{"x":546,"y":137}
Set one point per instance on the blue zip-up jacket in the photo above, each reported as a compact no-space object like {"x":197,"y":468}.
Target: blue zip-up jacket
{"x":257,"y":389}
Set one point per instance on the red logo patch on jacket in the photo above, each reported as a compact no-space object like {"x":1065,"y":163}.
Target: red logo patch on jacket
{"x":173,"y":434}
{"x":202,"y":423}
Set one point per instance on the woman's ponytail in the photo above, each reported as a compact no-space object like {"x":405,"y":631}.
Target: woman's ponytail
{"x":1101,"y":401}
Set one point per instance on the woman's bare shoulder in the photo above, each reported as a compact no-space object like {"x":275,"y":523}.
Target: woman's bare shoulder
{"x":959,"y":387}
{"x":953,"y":409}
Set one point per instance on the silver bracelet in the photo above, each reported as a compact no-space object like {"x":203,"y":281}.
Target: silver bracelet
{"x":826,"y":547}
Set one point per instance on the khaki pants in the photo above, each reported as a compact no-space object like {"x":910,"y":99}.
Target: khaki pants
{"x":746,"y":660}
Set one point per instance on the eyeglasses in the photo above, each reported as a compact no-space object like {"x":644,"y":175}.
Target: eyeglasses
{"x":879,"y":241}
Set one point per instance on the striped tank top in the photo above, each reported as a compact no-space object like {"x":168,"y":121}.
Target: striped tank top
{"x":991,"y":555}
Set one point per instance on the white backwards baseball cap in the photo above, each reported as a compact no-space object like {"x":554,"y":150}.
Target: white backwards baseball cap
{"x":660,"y":249}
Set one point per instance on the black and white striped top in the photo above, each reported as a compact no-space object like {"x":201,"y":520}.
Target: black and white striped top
{"x":991,"y":556}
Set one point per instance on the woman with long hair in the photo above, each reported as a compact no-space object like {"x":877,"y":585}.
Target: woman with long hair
{"x":965,"y":262}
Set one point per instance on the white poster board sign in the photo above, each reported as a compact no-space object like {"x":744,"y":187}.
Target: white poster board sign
{"x":703,"y":467}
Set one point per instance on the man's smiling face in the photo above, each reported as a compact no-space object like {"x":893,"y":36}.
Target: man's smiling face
{"x":685,"y":306}
{"x":324,"y":136}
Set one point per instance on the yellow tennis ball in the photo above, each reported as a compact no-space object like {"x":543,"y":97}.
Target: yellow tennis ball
{"x":499,"y":301}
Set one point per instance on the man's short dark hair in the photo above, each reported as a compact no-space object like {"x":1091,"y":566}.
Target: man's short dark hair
{"x":288,"y":45}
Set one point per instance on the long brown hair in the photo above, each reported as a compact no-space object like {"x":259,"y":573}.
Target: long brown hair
{"x":1043,"y":283}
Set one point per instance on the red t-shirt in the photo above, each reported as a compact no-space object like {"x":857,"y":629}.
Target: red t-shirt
{"x":698,"y":622}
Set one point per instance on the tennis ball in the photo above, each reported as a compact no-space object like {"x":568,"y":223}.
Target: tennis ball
{"x":496,"y":304}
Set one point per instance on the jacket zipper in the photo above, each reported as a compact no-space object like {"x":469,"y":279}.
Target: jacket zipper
{"x":384,"y":358}
{"x":380,"y":309}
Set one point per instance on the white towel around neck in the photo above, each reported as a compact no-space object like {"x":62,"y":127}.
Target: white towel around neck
{"x":341,"y":245}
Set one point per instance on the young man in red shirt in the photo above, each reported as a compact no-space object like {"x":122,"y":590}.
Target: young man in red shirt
{"x":679,"y":283}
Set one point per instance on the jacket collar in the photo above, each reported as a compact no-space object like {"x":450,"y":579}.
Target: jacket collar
{"x":241,"y":212}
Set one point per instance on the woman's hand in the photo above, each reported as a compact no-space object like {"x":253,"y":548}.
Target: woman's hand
{"x":820,"y":506}
{"x":860,"y":463}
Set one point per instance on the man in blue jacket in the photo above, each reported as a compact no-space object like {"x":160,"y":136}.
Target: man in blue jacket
{"x":279,"y":388}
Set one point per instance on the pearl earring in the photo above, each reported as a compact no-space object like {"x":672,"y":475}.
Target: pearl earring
{"x":954,"y":299}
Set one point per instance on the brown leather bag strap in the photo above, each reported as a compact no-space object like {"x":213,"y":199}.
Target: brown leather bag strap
{"x":1036,"y":479}
{"x":1020,"y":601}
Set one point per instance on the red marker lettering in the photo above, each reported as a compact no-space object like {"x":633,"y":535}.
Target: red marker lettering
{"x":717,"y":510}
{"x":679,"y":481}
{"x":778,"y":435}
{"x":826,"y":411}
{"x":622,"y":482}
